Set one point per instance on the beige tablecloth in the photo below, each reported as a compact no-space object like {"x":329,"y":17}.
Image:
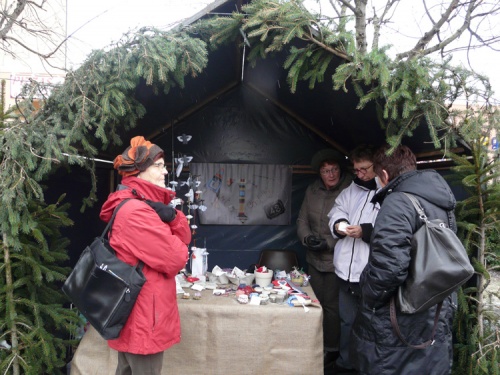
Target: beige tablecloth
{"x":221,"y":336}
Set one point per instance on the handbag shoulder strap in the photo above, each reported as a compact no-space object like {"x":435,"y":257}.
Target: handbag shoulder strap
{"x":421,"y":212}
{"x":110,"y":223}
{"x":417,"y":206}
{"x":395,"y":326}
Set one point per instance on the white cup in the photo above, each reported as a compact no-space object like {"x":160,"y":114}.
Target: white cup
{"x":263,"y":278}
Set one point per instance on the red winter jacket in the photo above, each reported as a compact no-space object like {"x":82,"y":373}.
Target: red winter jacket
{"x":139,"y":234}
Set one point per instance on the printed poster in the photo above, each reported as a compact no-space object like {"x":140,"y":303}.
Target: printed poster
{"x":243,"y":194}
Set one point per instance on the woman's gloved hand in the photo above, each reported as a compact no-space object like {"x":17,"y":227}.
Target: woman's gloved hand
{"x":315,"y":243}
{"x":165,"y":212}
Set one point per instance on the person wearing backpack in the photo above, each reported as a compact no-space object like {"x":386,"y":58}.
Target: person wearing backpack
{"x":375,"y":348}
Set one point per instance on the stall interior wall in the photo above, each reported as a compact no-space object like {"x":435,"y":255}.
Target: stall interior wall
{"x":242,"y":127}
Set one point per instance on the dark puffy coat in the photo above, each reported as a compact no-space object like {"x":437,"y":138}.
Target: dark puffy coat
{"x":375,"y":349}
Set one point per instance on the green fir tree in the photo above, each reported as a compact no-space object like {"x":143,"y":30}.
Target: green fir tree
{"x":477,"y":323}
{"x":33,"y":319}
{"x":94,"y":103}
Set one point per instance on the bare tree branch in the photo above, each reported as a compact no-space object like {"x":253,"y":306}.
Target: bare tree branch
{"x":448,"y":15}
{"x":379,"y":21}
{"x":347,"y":4}
{"x":22,"y":24}
{"x":427,"y":37}
{"x":11,"y":18}
{"x":27,"y":48}
{"x":26,"y":17}
{"x":334,"y":7}
{"x":427,"y":12}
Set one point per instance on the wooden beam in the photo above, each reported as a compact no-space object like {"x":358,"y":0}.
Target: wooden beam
{"x":438,"y":153}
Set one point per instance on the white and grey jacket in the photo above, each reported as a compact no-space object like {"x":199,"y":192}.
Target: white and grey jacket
{"x":354,"y":206}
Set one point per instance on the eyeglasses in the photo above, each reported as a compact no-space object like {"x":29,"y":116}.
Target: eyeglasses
{"x":325,"y":172}
{"x":160,"y":165}
{"x":362,"y":170}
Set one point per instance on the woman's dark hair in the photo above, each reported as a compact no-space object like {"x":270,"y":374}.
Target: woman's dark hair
{"x":400,"y":161}
{"x":327,"y":156}
{"x":362,"y":152}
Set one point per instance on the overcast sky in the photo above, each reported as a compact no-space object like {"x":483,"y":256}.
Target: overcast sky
{"x":97,"y":23}
{"x":101,"y":22}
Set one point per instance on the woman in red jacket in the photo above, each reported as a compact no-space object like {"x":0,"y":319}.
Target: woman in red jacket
{"x":147,"y":229}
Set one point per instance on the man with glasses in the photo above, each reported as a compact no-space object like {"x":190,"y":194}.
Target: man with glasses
{"x":313,"y":231}
{"x":351,"y":222}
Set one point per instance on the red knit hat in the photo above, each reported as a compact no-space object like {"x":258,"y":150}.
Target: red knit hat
{"x":140,"y":155}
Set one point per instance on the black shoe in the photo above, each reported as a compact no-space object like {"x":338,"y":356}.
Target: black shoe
{"x":338,"y":370}
{"x":329,"y":359}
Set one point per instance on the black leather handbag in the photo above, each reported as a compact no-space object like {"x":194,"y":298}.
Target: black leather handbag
{"x":104,"y":288}
{"x":439,"y":265}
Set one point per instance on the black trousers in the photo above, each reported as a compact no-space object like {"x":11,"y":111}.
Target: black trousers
{"x":349,"y":299}
{"x":325,"y":286}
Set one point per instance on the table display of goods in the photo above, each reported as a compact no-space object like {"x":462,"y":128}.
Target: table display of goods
{"x":261,"y":287}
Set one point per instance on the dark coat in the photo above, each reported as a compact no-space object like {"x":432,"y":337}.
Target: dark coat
{"x":375,"y":349}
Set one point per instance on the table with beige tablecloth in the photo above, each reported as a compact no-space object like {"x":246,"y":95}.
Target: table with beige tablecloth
{"x":221,"y":336}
